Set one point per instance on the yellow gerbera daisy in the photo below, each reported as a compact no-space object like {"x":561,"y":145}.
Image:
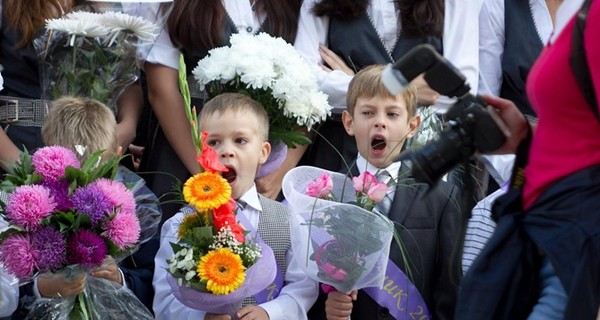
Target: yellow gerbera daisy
{"x":222,"y":270}
{"x":191,"y":221}
{"x":206,"y":191}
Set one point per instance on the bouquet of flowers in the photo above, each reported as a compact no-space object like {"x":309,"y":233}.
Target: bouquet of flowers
{"x":91,"y":54}
{"x":215,"y":263}
{"x":273,"y":73}
{"x":349,"y":240}
{"x":65,"y":218}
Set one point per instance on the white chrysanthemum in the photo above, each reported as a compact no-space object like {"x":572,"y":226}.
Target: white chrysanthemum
{"x":84,"y":15}
{"x":140,"y":27}
{"x":86,"y":28}
{"x":264,"y":62}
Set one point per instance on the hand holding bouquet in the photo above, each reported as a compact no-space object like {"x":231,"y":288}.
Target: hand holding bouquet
{"x":349,"y":243}
{"x":66,"y":218}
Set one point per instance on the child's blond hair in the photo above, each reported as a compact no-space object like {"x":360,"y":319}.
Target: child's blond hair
{"x":76,"y":121}
{"x":367,"y":83}
{"x":237,"y":102}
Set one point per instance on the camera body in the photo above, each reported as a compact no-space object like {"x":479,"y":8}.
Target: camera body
{"x":471,"y":128}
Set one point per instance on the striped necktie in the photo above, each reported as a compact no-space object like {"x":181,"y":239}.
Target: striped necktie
{"x":385,"y":204}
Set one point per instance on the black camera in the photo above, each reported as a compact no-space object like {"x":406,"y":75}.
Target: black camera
{"x":471,"y":127}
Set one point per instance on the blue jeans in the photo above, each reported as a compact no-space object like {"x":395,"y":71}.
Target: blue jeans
{"x":553,"y":299}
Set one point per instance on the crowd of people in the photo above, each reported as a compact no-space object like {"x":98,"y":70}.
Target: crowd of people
{"x":530,"y":247}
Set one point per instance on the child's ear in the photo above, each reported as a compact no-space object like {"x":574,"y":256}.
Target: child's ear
{"x":413,"y":125}
{"x":348,"y":122}
{"x":265,"y":151}
{"x":119,"y":151}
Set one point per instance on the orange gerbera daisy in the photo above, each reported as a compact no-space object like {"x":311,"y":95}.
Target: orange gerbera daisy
{"x":206,"y":191}
{"x":222,"y":270}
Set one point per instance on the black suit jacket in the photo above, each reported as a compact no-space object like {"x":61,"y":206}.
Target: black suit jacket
{"x":428,"y":222}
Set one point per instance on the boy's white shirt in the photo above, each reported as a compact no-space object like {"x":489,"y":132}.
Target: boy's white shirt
{"x":363,"y":165}
{"x":295,"y":299}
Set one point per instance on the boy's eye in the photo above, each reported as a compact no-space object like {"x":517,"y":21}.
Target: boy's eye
{"x":241,"y":140}
{"x":367,"y":113}
{"x":393,"y":114}
{"x":212,"y":143}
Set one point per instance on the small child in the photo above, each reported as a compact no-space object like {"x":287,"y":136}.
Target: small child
{"x":427,"y":219}
{"x":86,"y":126}
{"x":237,"y":128}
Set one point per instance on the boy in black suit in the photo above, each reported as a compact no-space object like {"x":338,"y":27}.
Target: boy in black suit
{"x":427,"y":219}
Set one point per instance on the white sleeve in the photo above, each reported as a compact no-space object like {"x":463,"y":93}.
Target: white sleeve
{"x":299,"y":292}
{"x":163,"y":51}
{"x":491,"y":46}
{"x":9,"y":293}
{"x":461,"y":42}
{"x":312,"y":31}
{"x":165,"y":305}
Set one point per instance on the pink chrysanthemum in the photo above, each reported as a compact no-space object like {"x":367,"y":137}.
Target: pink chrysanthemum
{"x":86,"y":248}
{"x":52,"y":161}
{"x":117,"y":194}
{"x":28,"y":205}
{"x":123,"y":230}
{"x":19,"y":256}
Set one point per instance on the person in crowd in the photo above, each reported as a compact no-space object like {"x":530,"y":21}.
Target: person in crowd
{"x":22,"y":92}
{"x":541,"y":262}
{"x":381,"y":32}
{"x":427,"y":219}
{"x":237,"y":128}
{"x":193,"y":28}
{"x":9,"y":285}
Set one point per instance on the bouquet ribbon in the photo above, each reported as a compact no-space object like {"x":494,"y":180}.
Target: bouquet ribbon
{"x":271,"y":291}
{"x":399,"y":295}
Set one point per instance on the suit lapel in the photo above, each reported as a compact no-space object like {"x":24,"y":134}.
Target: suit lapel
{"x":405,"y":195}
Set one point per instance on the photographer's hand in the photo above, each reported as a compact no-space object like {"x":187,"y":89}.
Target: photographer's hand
{"x":425,"y":95}
{"x":513,"y":119}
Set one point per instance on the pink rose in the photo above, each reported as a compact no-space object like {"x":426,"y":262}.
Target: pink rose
{"x":321,"y":187}
{"x":377,"y":191}
{"x":364,"y":181}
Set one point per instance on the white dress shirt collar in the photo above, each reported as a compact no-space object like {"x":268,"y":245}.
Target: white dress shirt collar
{"x":244,"y":15}
{"x":363,"y":165}
{"x":253,"y":208}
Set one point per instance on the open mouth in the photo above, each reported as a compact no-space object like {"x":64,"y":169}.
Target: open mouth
{"x":230,"y":175}
{"x":378,"y":143}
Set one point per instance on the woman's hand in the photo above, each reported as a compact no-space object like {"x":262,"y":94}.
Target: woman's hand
{"x":425,"y":95}
{"x":55,"y":285}
{"x":515,"y":126}
{"x":333,"y":61}
{"x":109,"y":271}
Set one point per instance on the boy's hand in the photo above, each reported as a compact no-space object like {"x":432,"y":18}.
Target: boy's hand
{"x":54,"y":285}
{"x":109,"y":271}
{"x":212,"y":316}
{"x":252,"y":313}
{"x":338,"y":305}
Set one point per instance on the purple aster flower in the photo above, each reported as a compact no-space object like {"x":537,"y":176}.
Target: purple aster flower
{"x":50,"y":244}
{"x":123,"y":230}
{"x":86,"y":248}
{"x":118,"y":194}
{"x":52,"y":161}
{"x":60,"y":191}
{"x":28,"y":205}
{"x":18,"y":255}
{"x":91,"y":201}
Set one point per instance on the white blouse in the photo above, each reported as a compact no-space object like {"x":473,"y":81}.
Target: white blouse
{"x":460,"y":43}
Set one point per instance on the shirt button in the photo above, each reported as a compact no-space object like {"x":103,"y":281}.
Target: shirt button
{"x":384,"y":312}
{"x":249,"y":29}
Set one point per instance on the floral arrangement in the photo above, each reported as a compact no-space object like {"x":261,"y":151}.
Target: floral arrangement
{"x":65,"y":217}
{"x":215,"y":264}
{"x":91,"y":54}
{"x":272,"y":72}
{"x":348,"y":237}
{"x":429,"y":129}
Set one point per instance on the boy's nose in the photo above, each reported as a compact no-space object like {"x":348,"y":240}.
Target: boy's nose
{"x":380,"y":122}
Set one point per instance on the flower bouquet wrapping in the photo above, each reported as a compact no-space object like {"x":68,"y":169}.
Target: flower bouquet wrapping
{"x":64,"y":219}
{"x":349,"y":242}
{"x":273,"y":73}
{"x":215,"y":263}
{"x":91,"y":54}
